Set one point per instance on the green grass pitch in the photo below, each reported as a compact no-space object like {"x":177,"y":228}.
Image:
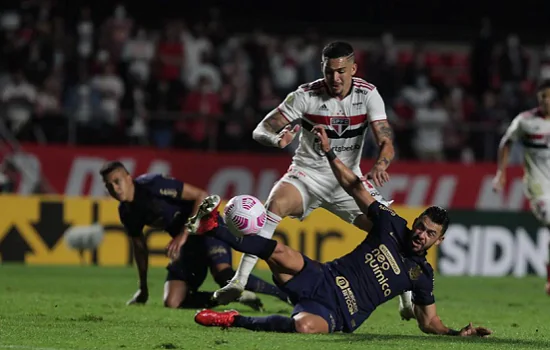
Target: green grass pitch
{"x":53,"y":308}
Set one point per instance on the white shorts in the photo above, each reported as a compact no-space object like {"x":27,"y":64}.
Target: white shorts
{"x":322,"y":190}
{"x":540,"y":207}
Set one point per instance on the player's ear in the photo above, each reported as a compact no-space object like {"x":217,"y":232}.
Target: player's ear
{"x":439,"y":240}
{"x":354,"y":68}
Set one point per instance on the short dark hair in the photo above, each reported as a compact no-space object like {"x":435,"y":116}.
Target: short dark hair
{"x":545,"y":84}
{"x":111,"y":166}
{"x":438,"y":216}
{"x":337,"y":49}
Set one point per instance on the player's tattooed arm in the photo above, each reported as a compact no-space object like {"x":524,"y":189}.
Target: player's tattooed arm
{"x":383,"y":134}
{"x":429,"y":322}
{"x":274,"y":130}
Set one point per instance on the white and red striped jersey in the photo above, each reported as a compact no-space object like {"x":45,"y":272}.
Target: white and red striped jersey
{"x":346,"y":121}
{"x":532,"y":130}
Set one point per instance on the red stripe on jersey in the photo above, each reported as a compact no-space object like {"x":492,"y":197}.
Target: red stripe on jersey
{"x":314,"y":86}
{"x":325,"y":119}
{"x":363,"y":85}
{"x":536,"y":136}
{"x":281,"y":112}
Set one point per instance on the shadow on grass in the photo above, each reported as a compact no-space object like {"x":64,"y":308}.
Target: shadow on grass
{"x":493,"y":340}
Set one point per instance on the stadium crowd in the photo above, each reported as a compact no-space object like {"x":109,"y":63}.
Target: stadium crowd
{"x":191,"y":85}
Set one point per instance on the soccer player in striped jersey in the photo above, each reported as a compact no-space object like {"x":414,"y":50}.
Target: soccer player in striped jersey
{"x":532,"y":129}
{"x":346,"y":106}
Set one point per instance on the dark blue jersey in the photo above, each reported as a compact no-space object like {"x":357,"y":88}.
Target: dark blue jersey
{"x":157,"y":203}
{"x":380,"y":268}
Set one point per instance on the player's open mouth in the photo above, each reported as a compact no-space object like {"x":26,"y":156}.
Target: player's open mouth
{"x":416,"y":244}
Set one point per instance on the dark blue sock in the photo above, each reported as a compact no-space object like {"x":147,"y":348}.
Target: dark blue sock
{"x":256,"y":284}
{"x":273,"y":323}
{"x":255,"y":245}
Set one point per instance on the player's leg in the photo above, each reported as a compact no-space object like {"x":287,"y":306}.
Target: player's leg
{"x":185,"y":276}
{"x":287,"y":198}
{"x":219,"y":255}
{"x":540,"y":207}
{"x":308,"y":288}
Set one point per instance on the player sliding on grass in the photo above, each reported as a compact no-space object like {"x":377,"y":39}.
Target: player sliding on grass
{"x":166,"y":203}
{"x":342,"y":294}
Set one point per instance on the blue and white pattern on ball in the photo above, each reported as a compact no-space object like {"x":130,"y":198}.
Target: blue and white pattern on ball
{"x":245,"y":215}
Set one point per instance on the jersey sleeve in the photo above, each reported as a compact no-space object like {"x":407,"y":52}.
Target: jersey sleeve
{"x":163,"y":185}
{"x":379,"y":214}
{"x":376,"y":109}
{"x":132,"y":225}
{"x":423,"y":290}
{"x":294,"y":105}
{"x":513,"y":131}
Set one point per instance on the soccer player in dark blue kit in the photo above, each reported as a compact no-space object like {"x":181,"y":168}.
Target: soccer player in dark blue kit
{"x":167,"y":203}
{"x":340,"y":295}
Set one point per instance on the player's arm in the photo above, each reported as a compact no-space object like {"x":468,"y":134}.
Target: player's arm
{"x":275,"y":129}
{"x":430,"y":323}
{"x":383,"y":135}
{"x":350,"y":182}
{"x":141,"y":257}
{"x":504,"y":153}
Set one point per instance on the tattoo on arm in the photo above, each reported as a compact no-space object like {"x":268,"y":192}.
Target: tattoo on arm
{"x":385,"y":162}
{"x":275,"y":122}
{"x":382,"y":130}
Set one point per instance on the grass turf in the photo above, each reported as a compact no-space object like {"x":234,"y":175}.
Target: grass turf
{"x":51,"y":308}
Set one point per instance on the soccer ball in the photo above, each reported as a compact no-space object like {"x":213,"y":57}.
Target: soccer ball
{"x":244,"y":215}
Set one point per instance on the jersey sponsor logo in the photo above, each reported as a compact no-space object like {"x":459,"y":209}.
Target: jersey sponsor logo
{"x":380,"y":261}
{"x":383,"y":207}
{"x":361,"y":92}
{"x":357,"y":104}
{"x":346,"y":148}
{"x":170,"y":192}
{"x":339,"y":125}
{"x":349,"y":297}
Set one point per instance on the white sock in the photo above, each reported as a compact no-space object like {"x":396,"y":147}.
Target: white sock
{"x":405,"y":299}
{"x":248,"y":261}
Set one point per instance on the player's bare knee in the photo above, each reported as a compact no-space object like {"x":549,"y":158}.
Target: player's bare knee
{"x":307,"y":325}
{"x":285,"y":200}
{"x":172,"y":303}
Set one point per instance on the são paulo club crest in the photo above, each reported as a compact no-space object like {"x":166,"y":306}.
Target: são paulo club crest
{"x":339,"y":125}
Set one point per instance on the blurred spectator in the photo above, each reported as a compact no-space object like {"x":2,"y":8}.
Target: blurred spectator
{"x":430,"y":120}
{"x":203,"y":103}
{"x":110,"y":86}
{"x":18,"y":98}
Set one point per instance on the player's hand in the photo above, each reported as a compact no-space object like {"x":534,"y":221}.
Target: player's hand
{"x":470,"y":331}
{"x":287,"y":135}
{"x":321,"y":134}
{"x":139,"y":298}
{"x":499,"y":181}
{"x":379,"y":175}
{"x":174,"y":247}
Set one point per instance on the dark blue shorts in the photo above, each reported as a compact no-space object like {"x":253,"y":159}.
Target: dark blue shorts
{"x":197,"y":255}
{"x":312,"y":290}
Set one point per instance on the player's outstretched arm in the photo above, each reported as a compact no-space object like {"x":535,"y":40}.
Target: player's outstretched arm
{"x":141,"y":255}
{"x":503,"y":154}
{"x":274,"y":130}
{"x":429,"y":322}
{"x":189,"y":193}
{"x":350,"y":182}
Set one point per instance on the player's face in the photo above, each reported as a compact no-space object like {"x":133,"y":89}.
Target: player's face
{"x":544,"y":101}
{"x":120,"y":185}
{"x":338,"y":73}
{"x":425,"y":234}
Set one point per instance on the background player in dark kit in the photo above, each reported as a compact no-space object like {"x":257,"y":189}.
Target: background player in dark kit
{"x":167,"y":203}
